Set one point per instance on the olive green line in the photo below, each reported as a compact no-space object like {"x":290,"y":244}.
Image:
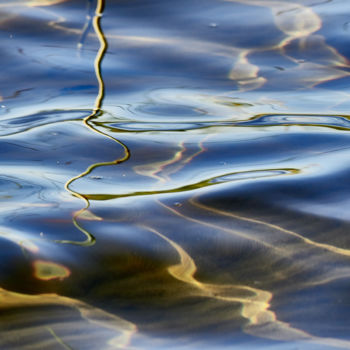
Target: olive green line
{"x":191,"y":187}
{"x":90,"y":239}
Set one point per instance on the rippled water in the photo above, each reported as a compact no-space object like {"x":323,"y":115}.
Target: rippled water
{"x":174,"y":175}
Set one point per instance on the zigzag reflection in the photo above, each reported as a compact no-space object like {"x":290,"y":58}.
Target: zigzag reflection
{"x":90,"y":239}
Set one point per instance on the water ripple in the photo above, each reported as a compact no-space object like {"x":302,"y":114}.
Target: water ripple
{"x":174,"y":175}
{"x":338,"y":122}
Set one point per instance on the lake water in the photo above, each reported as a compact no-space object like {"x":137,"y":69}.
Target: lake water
{"x":173,"y":174}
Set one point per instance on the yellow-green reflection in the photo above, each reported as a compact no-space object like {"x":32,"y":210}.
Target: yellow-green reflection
{"x":47,"y":270}
{"x":224,"y":178}
{"x":90,"y":239}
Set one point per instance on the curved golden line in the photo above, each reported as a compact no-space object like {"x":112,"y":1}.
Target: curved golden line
{"x":262,"y":322}
{"x":183,"y":160}
{"x":90,"y":239}
{"x":255,"y":305}
{"x":324,"y":246}
{"x":170,"y":166}
{"x":152,"y":169}
{"x":184,"y":271}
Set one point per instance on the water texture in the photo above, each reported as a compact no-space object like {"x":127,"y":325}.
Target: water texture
{"x":173,"y":175}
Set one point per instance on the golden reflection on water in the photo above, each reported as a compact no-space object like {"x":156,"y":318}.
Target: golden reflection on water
{"x":319,"y":61}
{"x":255,"y":304}
{"x":90,"y":239}
{"x":162,"y":170}
{"x":47,"y":270}
{"x":262,"y":321}
{"x":116,"y":332}
{"x":296,"y":22}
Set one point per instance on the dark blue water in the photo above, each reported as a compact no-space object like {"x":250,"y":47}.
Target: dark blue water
{"x":174,"y":175}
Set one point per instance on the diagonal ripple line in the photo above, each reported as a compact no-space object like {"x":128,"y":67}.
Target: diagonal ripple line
{"x":58,"y":339}
{"x":87,"y":26}
{"x":323,"y":246}
{"x":90,"y":239}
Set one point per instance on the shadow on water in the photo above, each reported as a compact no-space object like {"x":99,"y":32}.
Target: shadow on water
{"x":201,"y":202}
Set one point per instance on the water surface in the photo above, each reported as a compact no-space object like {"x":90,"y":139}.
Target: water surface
{"x":174,"y":175}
